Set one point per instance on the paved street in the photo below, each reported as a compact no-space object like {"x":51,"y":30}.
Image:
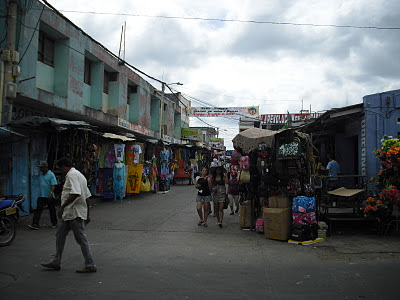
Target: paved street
{"x":150,"y":247}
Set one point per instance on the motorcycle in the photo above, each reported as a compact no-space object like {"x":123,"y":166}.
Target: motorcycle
{"x":9,"y":214}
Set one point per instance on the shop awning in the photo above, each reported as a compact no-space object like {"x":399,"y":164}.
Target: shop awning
{"x":249,"y":139}
{"x":117,"y":137}
{"x":58,"y":124}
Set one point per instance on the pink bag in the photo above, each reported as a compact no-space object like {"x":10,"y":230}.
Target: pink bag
{"x":260,"y":225}
{"x":304,"y":218}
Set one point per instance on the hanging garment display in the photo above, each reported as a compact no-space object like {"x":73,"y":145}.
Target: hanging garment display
{"x":110,"y":157}
{"x":134,"y":179}
{"x":129,"y":155}
{"x":119,"y":180}
{"x":137,"y":150}
{"x":119,"y":152}
{"x":108,"y":189}
{"x":102,"y":156}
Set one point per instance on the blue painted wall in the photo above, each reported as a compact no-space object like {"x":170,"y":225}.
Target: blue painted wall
{"x":382,"y":113}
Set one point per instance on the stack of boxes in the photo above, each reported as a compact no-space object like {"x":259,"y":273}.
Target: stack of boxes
{"x":277,"y":219}
{"x":304,"y":219}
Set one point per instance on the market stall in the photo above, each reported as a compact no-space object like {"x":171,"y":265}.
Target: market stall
{"x":275,"y":170}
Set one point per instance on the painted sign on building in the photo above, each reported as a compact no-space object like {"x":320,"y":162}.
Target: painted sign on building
{"x":217,"y":143}
{"x":363,"y":148}
{"x":189,"y":133}
{"x":252,"y":111}
{"x":134,"y":127}
{"x":276,"y":119}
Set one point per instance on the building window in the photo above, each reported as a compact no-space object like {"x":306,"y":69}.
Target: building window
{"x":106,"y":82}
{"x":88,"y":72}
{"x":132,"y":89}
{"x":46,"y":49}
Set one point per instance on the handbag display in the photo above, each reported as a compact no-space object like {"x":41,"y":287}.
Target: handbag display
{"x":227,"y":201}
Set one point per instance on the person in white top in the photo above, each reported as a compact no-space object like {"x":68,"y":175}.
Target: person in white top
{"x":74,"y":212}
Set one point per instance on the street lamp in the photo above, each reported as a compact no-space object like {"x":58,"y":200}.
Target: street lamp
{"x":163,"y":84}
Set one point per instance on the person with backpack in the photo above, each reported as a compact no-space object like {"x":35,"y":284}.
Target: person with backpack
{"x":233,"y":192}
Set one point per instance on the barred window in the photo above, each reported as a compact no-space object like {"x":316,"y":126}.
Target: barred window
{"x":46,"y":49}
{"x":88,"y":72}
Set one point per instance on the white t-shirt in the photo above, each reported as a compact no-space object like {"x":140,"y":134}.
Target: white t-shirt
{"x":137,"y":150}
{"x":119,"y":152}
{"x":75,"y":183}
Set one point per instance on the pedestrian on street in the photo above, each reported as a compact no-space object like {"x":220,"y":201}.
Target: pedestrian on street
{"x":333,"y":168}
{"x":74,"y":212}
{"x":189,"y":170}
{"x":47,"y":184}
{"x":204,"y":198}
{"x":219,"y":193}
{"x":233,"y":192}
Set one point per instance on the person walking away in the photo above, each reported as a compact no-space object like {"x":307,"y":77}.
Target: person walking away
{"x":219,"y":192}
{"x":204,"y":198}
{"x":189,"y":170}
{"x":47,"y":184}
{"x":233,"y":192}
{"x":74,"y":212}
{"x":333,"y":168}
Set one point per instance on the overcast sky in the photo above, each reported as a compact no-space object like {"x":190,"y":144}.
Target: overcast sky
{"x":243,"y":63}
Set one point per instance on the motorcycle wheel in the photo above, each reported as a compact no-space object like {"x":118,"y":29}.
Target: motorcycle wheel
{"x":7,"y":231}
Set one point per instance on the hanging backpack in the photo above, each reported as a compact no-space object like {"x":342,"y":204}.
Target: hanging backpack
{"x":244,"y":163}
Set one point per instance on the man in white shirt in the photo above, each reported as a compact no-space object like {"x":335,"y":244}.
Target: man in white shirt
{"x":74,"y":212}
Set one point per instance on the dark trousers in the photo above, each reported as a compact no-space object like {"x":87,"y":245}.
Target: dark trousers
{"x":52,"y":209}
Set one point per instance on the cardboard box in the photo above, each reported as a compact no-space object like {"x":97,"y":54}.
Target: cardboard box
{"x":277,"y":223}
{"x":279,"y":202}
{"x":244,"y":216}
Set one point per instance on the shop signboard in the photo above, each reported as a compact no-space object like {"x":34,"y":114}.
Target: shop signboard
{"x":217,"y":143}
{"x":280,"y":119}
{"x":190,"y":133}
{"x":134,"y":127}
{"x":251,"y":111}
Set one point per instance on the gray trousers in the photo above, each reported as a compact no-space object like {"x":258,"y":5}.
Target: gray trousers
{"x":80,"y":236}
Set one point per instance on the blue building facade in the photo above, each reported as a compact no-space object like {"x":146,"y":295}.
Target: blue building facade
{"x":381,"y":118}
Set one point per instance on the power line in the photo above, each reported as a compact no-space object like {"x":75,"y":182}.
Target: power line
{"x":231,"y":20}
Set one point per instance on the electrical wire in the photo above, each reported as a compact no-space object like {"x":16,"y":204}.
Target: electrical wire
{"x":33,"y":34}
{"x":231,"y":20}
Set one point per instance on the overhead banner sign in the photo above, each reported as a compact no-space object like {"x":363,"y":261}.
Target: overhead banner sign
{"x":190,"y":132}
{"x":251,"y":111}
{"x":279,"y":119}
{"x":217,"y":143}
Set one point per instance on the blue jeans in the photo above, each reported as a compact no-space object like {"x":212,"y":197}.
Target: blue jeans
{"x":80,"y":236}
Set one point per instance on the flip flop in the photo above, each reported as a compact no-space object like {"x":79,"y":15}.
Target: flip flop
{"x":200,"y":223}
{"x":205,"y":225}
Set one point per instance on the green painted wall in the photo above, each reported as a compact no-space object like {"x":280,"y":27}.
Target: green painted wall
{"x":96,"y":92}
{"x":61,"y":60}
{"x":45,"y":77}
{"x":177,"y":125}
{"x":87,"y":90}
{"x":104,"y":103}
{"x":155,"y":114}
{"x":113,"y":97}
{"x":134,"y":108}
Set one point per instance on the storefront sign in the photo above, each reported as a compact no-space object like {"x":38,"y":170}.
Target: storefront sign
{"x":280,"y":119}
{"x":217,"y":143}
{"x":19,"y":112}
{"x":252,"y":111}
{"x":363,"y":148}
{"x":134,"y":127}
{"x":190,"y":132}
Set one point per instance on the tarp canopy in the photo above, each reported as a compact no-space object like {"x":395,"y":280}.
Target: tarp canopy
{"x":249,"y":139}
{"x":58,"y":124}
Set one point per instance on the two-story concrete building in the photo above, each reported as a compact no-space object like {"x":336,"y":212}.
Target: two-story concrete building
{"x":51,"y":68}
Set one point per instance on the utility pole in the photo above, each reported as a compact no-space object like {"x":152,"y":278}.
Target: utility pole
{"x":162,"y":110}
{"x":9,"y":66}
